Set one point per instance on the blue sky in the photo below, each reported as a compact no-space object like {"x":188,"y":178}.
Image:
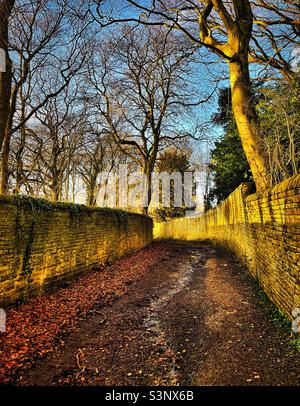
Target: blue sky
{"x":205,"y":75}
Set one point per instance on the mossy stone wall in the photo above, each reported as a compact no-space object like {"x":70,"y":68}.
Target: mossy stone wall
{"x":42,"y":244}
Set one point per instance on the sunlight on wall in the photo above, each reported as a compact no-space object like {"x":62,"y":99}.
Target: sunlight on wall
{"x":42,"y":244}
{"x":263,"y":230}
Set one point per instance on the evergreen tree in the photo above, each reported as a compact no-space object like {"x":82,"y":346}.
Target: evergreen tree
{"x":228,"y":161}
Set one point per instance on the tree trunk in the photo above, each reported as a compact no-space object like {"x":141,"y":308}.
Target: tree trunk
{"x":55,"y":186}
{"x":247,"y":122}
{"x":19,"y":154}
{"x":5,"y":156}
{"x":148,"y":174}
{"x":54,"y":194}
{"x":67,"y":185}
{"x":91,"y":192}
{"x":5,"y":94}
{"x":147,"y":171}
{"x":5,"y":77}
{"x":4,"y":164}
{"x":19,"y":165}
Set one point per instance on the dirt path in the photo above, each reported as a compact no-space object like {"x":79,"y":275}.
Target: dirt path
{"x":193,"y":320}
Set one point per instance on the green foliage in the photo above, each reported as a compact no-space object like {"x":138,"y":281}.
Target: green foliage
{"x":228,"y":162}
{"x":25,"y":233}
{"x":229,"y":165}
{"x":275,"y":315}
{"x":168,"y":213}
{"x":296,"y":343}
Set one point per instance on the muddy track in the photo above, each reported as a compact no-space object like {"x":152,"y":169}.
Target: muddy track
{"x":193,"y":320}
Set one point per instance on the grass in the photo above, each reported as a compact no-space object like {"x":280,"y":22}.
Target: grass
{"x":296,"y":343}
{"x":277,"y":317}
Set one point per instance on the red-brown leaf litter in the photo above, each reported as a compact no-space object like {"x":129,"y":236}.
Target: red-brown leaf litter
{"x":37,"y":327}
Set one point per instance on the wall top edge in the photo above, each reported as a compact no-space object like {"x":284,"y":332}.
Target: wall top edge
{"x":38,"y":204}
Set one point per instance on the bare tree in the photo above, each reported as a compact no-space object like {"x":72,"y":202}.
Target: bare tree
{"x":226,"y":29}
{"x":48,"y":157}
{"x":98,"y":154}
{"x":140,"y":81}
{"x":6,"y":8}
{"x":275,"y":35}
{"x":42,"y":35}
{"x":61,"y":134}
{"x":279,"y":111}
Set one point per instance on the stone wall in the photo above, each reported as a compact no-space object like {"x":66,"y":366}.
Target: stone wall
{"x":263,"y":230}
{"x":42,"y":244}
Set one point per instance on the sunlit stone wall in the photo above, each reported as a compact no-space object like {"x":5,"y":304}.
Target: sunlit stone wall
{"x":43,"y":244}
{"x":263,"y":230}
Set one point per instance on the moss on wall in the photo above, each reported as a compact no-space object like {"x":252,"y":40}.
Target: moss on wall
{"x":44,"y":243}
